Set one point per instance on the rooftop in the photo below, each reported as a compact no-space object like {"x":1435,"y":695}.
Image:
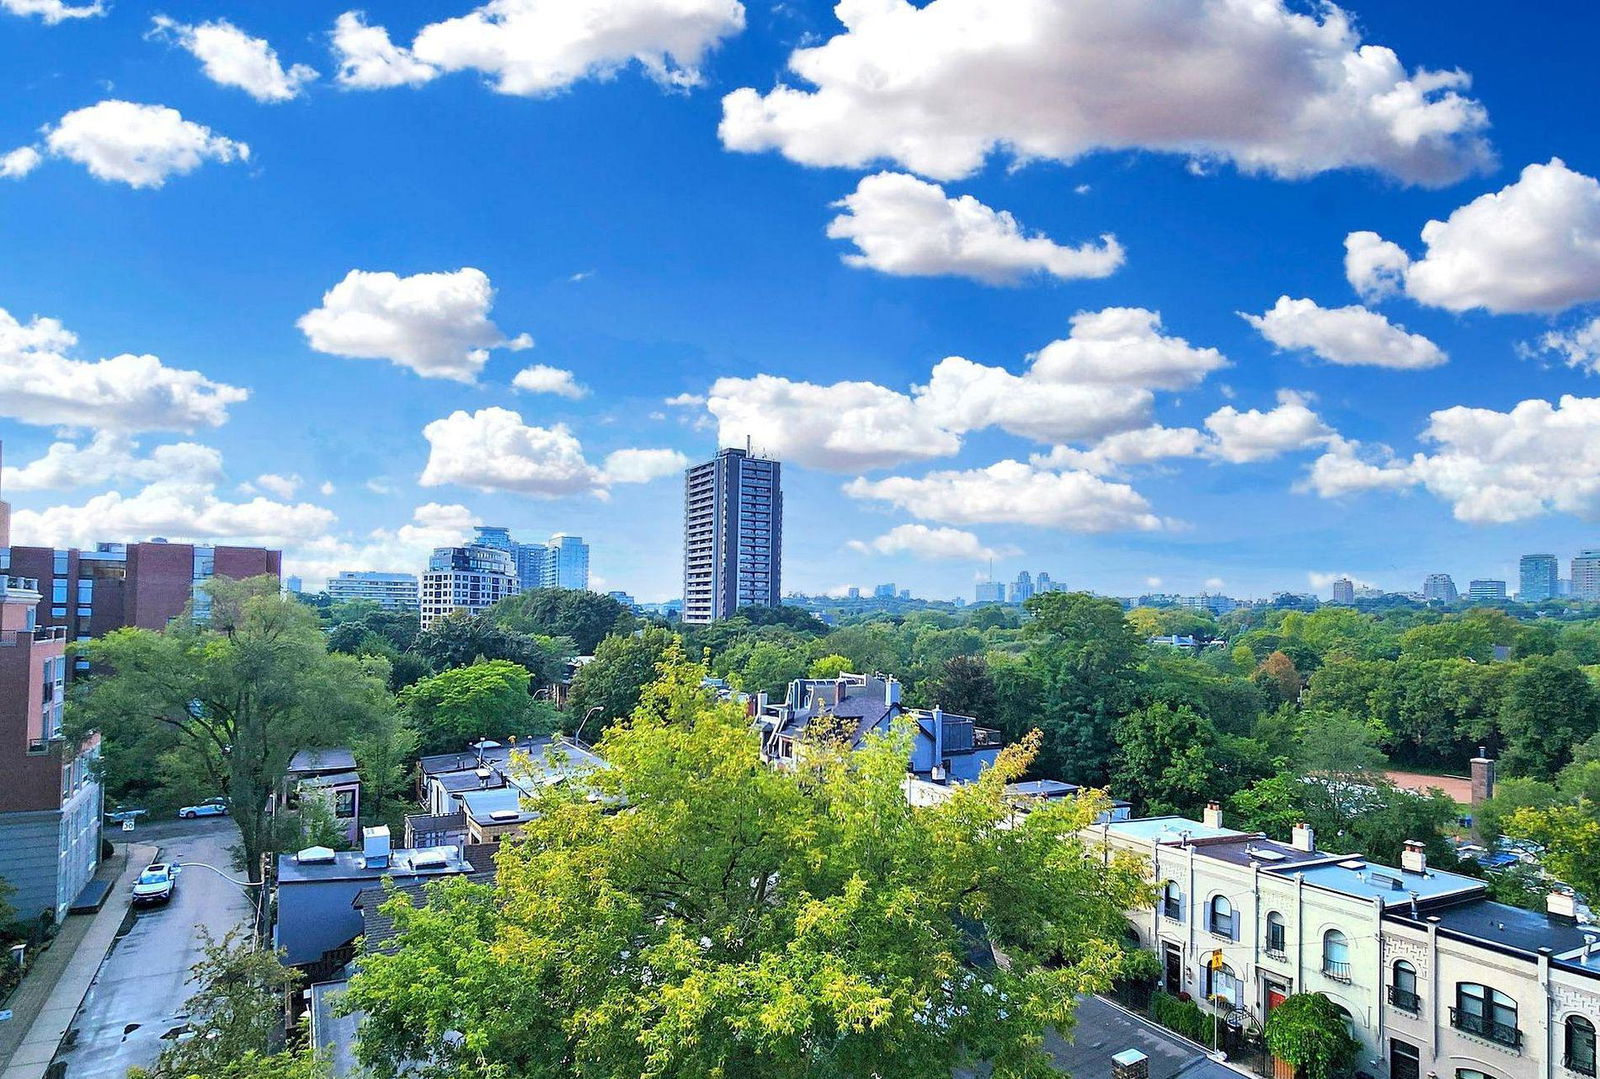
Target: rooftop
{"x":320,"y":864}
{"x":1504,"y":926}
{"x":1268,"y":853}
{"x":335,"y":779}
{"x":322,"y":760}
{"x":1355,"y":876}
{"x":1172,"y":830}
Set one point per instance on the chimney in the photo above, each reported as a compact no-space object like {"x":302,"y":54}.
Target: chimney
{"x":1562,"y":907}
{"x":375,"y":846}
{"x":1130,"y":1064}
{"x":938,"y":734}
{"x":1213,"y":817}
{"x":891,"y":692}
{"x":1304,"y":838}
{"x":1414,"y":859}
{"x":1482,"y":777}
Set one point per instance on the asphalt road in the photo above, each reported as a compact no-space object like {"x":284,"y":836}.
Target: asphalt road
{"x":139,"y":993}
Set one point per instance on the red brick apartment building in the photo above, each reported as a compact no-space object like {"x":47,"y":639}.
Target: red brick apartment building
{"x":50,"y":800}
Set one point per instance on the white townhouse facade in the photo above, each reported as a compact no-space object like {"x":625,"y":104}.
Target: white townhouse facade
{"x":1435,"y":980}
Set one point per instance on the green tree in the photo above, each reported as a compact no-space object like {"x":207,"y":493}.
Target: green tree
{"x":236,"y":1011}
{"x":831,"y":665}
{"x":1164,"y":760}
{"x":238,"y":697}
{"x":1549,"y":708}
{"x":610,"y":684}
{"x":964,"y":686}
{"x":1083,"y":654}
{"x":384,"y":751}
{"x":770,"y":668}
{"x":489,"y":699}
{"x":1511,"y":794}
{"x":739,"y":921}
{"x":1279,"y":675}
{"x":460,"y":640}
{"x":1307,"y":1031}
{"x":586,"y":618}
{"x":1570,"y":835}
{"x":1456,"y":638}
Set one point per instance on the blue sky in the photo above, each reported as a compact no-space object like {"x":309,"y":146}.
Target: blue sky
{"x":659,"y":240}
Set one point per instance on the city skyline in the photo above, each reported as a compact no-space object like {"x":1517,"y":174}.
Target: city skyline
{"x":1200,"y":357}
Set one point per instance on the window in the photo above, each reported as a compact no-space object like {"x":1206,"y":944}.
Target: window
{"x":1468,"y":1073}
{"x":1221,"y":919}
{"x":58,"y":591}
{"x":1277,"y":936}
{"x":1405,"y":1060}
{"x":1336,"y":955}
{"x":344,"y":805}
{"x":59,"y":563}
{"x":1486,"y":1012}
{"x":1224,"y":984}
{"x":1403,"y":988}
{"x":1172,"y":901}
{"x":1580,"y":1045}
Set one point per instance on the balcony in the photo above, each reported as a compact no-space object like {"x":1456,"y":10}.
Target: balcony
{"x":1405,"y":999}
{"x":1484,"y":1027}
{"x":1277,"y":953}
{"x":1222,"y":927}
{"x":1336,"y":971}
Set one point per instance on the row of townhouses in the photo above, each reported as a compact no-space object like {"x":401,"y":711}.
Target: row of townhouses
{"x":1434,"y":978}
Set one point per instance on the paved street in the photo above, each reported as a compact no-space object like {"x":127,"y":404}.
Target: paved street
{"x":139,"y":993}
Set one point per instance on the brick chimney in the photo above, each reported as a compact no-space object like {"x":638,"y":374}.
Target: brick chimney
{"x":1130,"y":1064}
{"x":1213,"y":815}
{"x":1482,"y":777}
{"x":1304,"y":837}
{"x":1414,"y":859}
{"x":1562,"y":907}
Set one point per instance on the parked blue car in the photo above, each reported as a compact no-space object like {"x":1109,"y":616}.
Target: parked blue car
{"x":211,"y":807}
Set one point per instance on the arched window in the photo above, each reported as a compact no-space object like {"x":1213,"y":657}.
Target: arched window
{"x":1172,"y":901}
{"x":1277,"y":936}
{"x":1224,"y":984}
{"x":1468,"y":1073}
{"x":1221,"y":922}
{"x":1486,"y":1012}
{"x":1580,"y":1045}
{"x":1403,"y":987}
{"x":1336,"y":955}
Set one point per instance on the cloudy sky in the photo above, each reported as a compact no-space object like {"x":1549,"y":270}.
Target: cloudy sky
{"x":1229,"y":294}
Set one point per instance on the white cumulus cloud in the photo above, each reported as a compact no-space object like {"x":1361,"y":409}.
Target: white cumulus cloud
{"x":1579,"y":346}
{"x":41,"y":384}
{"x":231,"y":57}
{"x":537,"y":47}
{"x":1532,"y":246}
{"x":281,"y":486}
{"x":1127,"y":449}
{"x":938,"y":86}
{"x":404,"y":549}
{"x":907,"y":227}
{"x":1349,"y":336}
{"x":112,"y":458}
{"x":138,"y":145}
{"x":1010,"y":492}
{"x":1349,"y":467}
{"x":437,"y":324}
{"x":934,"y":544}
{"x":1254,"y":435}
{"x":54,"y":11}
{"x":17,"y":163}
{"x":368,"y":60}
{"x":540,"y":378}
{"x":494,"y":449}
{"x":181,"y":511}
{"x":642,"y":466}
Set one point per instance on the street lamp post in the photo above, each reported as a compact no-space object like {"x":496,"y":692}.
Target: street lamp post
{"x":586,"y":715}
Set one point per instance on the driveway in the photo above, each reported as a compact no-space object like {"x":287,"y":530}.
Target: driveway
{"x":139,"y":993}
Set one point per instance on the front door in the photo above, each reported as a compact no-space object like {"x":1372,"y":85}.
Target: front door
{"x":1174,"y":968}
{"x":1405,"y":1061}
{"x":1276,"y":995}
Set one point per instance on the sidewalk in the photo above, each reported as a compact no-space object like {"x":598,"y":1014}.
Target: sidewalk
{"x":44,"y":1005}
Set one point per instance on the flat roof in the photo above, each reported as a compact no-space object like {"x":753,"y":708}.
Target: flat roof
{"x":1504,"y":926}
{"x":1170,"y":830}
{"x":352,"y":865}
{"x":1268,"y":853}
{"x":1355,"y":876}
{"x":338,"y":759}
{"x":482,"y":806}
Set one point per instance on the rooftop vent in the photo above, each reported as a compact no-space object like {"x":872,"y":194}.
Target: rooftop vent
{"x":504,"y":814}
{"x":315,"y":856}
{"x":1353,"y":863}
{"x":429,"y":859}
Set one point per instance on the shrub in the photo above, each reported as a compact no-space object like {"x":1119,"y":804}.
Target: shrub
{"x":1183,"y":1016}
{"x":1308,"y":1031}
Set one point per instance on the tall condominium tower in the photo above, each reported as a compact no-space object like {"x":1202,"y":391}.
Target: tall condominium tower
{"x":1586,"y":575}
{"x":732,"y":535}
{"x":566,"y":562}
{"x":1439,"y":588}
{"x":1539,"y":577}
{"x":469,"y":579}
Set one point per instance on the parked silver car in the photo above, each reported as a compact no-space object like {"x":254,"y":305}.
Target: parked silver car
{"x":211,"y":807}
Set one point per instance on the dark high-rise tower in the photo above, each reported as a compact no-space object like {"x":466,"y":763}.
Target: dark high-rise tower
{"x":732,"y":535}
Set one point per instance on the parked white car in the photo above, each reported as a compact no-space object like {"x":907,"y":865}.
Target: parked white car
{"x":211,"y":807}
{"x":155,"y":884}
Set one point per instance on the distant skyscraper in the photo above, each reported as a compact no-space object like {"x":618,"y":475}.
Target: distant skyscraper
{"x":1022,"y":587}
{"x":469,"y":579}
{"x":884,"y":591}
{"x":391,"y":591}
{"x":293,"y":585}
{"x":853,"y":592}
{"x":991,"y":591}
{"x":532,"y":562}
{"x":1439,"y":588}
{"x":732,"y":535}
{"x":1486,"y":591}
{"x":1539,"y":577}
{"x":1344,"y":591}
{"x":494,"y":536}
{"x":567,"y":563}
{"x":1586,"y":575}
